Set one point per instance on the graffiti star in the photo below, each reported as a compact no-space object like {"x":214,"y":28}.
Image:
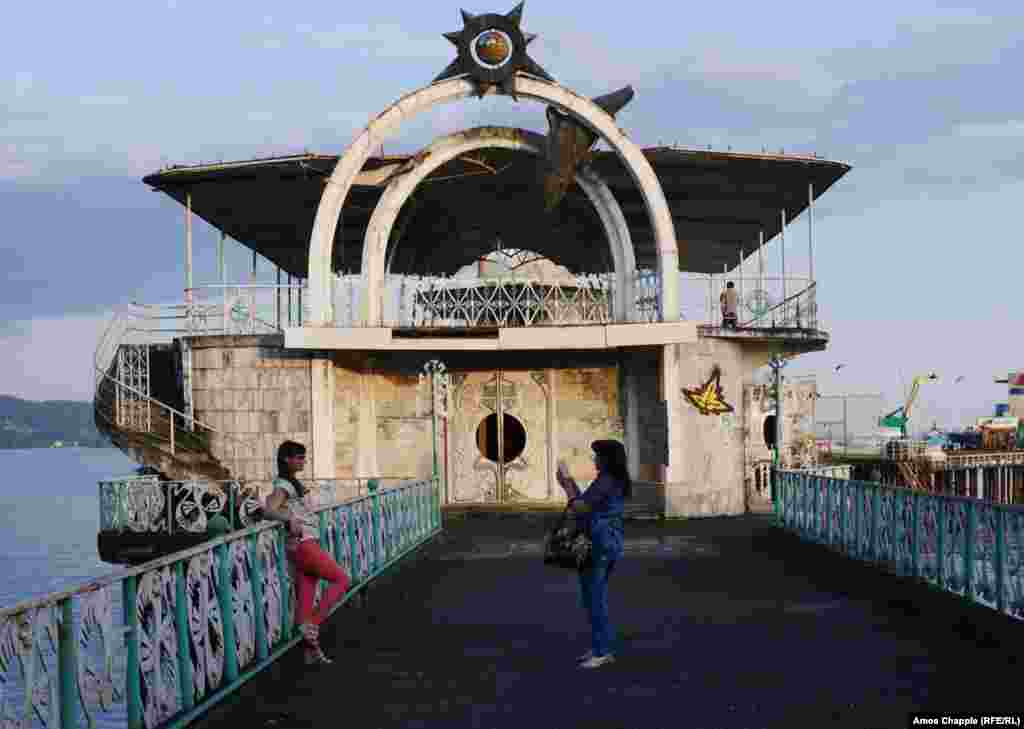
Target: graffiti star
{"x":708,"y":398}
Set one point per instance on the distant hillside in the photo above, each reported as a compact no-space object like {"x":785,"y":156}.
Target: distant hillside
{"x":29,"y":424}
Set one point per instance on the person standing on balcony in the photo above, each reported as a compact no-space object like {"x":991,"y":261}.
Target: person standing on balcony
{"x":601,"y":508}
{"x":289,"y":503}
{"x":728,"y":301}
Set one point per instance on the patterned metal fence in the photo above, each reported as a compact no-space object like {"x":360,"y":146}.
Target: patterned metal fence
{"x":144,"y":504}
{"x":158,"y":645}
{"x":968,"y":547}
{"x":442,"y":301}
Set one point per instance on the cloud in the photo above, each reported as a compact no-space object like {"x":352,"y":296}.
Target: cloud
{"x":1009,"y":129}
{"x":23,"y":83}
{"x":50,"y":358}
{"x":375,"y":40}
{"x":104,"y":100}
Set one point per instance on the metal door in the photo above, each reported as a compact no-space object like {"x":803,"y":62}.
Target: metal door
{"x":499,"y":448}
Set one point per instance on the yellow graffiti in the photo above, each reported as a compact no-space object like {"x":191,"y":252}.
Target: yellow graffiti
{"x":708,"y":398}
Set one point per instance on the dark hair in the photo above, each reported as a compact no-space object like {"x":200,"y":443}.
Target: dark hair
{"x":290,"y":449}
{"x":730,"y":285}
{"x":613,"y":460}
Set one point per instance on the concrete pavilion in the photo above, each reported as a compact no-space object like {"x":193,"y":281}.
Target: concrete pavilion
{"x":566,"y":278}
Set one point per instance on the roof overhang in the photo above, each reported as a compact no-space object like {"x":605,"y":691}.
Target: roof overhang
{"x":720,"y":203}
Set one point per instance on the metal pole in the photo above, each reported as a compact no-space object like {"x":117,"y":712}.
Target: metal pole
{"x":810,"y":229}
{"x":760,"y":260}
{"x":740,"y":298}
{"x":188,"y":259}
{"x":433,"y":417}
{"x":222,"y":269}
{"x":289,"y":299}
{"x":252,"y":296}
{"x":277,"y":300}
{"x":782,"y":247}
{"x":846,"y":434}
{"x":722,"y":285}
{"x":711,"y":298}
{"x":778,"y":411}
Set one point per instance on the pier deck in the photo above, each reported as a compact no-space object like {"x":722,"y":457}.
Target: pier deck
{"x":725,"y":622}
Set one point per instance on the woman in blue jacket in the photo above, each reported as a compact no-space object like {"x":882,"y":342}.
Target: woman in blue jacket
{"x":600,"y":509}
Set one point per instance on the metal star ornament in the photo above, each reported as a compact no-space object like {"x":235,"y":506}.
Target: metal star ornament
{"x":492,"y":48}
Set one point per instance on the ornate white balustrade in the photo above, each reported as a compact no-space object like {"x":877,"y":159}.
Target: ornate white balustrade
{"x":159,"y":644}
{"x":429,"y":301}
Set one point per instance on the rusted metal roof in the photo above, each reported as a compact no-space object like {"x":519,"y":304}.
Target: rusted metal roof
{"x":719,"y":202}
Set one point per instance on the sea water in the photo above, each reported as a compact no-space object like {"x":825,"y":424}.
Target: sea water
{"x":49,"y":518}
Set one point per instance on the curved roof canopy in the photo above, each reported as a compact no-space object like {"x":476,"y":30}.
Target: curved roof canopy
{"x":493,"y":198}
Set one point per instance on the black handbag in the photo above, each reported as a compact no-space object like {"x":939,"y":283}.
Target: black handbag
{"x":568,"y":545}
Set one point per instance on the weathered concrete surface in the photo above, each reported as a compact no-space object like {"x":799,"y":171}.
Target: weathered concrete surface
{"x":757,"y":630}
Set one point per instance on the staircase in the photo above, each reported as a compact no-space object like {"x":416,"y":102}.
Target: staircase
{"x":140,"y":402}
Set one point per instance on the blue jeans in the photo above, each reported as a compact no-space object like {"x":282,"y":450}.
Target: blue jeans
{"x":594,"y":592}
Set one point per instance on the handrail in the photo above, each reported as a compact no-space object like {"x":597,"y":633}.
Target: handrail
{"x":213,"y":616}
{"x":957,"y":544}
{"x":187,"y":418}
{"x":781,"y":304}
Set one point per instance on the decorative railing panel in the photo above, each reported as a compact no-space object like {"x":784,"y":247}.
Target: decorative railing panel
{"x":159,"y":644}
{"x":964,"y":546}
{"x":146,"y":504}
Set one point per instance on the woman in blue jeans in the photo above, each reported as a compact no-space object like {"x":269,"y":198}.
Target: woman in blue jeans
{"x":600,"y":509}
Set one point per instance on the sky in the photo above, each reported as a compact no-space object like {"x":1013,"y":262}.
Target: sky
{"x":915,"y":249}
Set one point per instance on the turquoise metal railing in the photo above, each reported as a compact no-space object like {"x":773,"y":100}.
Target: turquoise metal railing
{"x":159,"y":644}
{"x":968,"y":547}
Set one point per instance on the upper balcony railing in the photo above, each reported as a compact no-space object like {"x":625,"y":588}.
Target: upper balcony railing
{"x":504,"y":301}
{"x":762,"y":302}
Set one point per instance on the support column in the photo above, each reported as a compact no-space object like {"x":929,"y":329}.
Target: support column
{"x":810,"y":231}
{"x":188,"y":250}
{"x":632,"y":420}
{"x":979,"y":487}
{"x":555,"y":451}
{"x":672,"y":472}
{"x":782,"y":248}
{"x":322,"y":416}
{"x":222,"y":270}
{"x":366,"y":440}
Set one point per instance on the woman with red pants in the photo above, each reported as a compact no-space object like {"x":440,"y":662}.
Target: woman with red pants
{"x":288,"y":503}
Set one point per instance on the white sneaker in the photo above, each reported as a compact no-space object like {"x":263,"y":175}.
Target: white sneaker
{"x":597,"y":661}
{"x":585,"y":657}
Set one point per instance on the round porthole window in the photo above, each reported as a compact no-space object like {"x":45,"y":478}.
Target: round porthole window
{"x":514,"y":437}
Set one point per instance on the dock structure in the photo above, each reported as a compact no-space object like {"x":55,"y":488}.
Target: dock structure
{"x":453,"y":620}
{"x":479,"y":309}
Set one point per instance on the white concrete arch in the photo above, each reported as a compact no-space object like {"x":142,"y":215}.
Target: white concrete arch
{"x":321,"y":242}
{"x":445,"y":149}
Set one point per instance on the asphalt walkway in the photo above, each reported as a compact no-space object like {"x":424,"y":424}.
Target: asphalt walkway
{"x":724,"y":623}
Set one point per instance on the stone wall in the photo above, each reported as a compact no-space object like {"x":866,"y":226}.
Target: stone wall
{"x":587,"y":407}
{"x":381,"y":424}
{"x":708,"y":447}
{"x":256,"y":394}
{"x":404,"y":426}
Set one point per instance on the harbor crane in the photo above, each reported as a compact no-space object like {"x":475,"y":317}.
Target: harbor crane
{"x":899,"y":417}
